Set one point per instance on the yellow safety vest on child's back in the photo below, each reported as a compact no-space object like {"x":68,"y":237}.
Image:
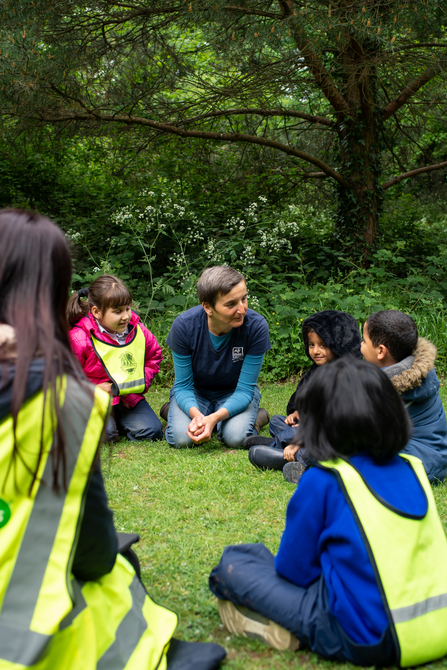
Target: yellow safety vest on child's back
{"x":409,"y":557}
{"x":124,"y":364}
{"x":48,"y":619}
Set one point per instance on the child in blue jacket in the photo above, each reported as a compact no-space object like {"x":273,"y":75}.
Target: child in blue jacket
{"x":391,"y":342}
{"x":350,"y":579}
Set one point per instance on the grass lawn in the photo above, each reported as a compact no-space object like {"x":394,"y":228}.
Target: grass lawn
{"x":187,"y":505}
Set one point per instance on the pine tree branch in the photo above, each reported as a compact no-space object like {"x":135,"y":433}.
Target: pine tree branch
{"x":421,"y":45}
{"x":285,"y":5}
{"x":252,"y":12}
{"x":407,"y":175}
{"x":263,"y":112}
{"x":310,"y":175}
{"x":322,"y":78}
{"x":198,"y":134}
{"x":409,"y":91}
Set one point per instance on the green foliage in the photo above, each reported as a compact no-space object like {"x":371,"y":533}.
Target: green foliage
{"x":159,"y":245}
{"x":307,"y":91}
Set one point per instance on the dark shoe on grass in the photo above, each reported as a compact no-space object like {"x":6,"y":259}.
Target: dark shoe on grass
{"x":164,"y":409}
{"x":261,"y":420}
{"x":293,"y":471}
{"x":194,"y":655}
{"x":253,"y":440}
{"x":266,"y":458}
{"x":242,"y":621}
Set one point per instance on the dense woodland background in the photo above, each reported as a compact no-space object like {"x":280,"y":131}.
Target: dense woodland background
{"x":301,"y":142}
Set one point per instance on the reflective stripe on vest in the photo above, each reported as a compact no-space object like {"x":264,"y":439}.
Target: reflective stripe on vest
{"x":124,"y":364}
{"x":409,"y":558}
{"x":48,"y":620}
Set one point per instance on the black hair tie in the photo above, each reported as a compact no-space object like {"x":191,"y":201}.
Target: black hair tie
{"x":83,"y":292}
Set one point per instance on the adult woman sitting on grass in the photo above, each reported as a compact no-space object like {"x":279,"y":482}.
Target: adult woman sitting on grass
{"x":361,"y":571}
{"x":218,"y":349}
{"x":67,"y":599}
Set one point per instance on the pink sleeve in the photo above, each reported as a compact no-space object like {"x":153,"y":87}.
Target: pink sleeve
{"x":79,"y":343}
{"x":153,"y":356}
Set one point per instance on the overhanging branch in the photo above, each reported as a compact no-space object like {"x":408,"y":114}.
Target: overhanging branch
{"x":322,"y":78}
{"x":252,"y":12}
{"x":409,"y":91}
{"x":311,"y":175}
{"x":285,"y":5}
{"x":198,"y":134}
{"x":263,"y":112}
{"x":421,"y":45}
{"x":407,"y":175}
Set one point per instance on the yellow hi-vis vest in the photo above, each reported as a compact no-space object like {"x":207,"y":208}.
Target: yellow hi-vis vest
{"x":409,"y":558}
{"x":124,"y":364}
{"x":48,"y":619}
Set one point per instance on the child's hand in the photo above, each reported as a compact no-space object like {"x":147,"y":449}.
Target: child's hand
{"x":293,"y":419}
{"x":106,"y":386}
{"x":290,"y":451}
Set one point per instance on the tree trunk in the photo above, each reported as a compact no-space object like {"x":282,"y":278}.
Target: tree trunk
{"x":359,"y":205}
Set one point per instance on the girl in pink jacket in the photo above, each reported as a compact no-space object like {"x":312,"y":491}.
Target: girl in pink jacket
{"x":118,"y":353}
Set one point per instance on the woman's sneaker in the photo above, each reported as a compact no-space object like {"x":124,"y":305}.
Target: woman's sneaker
{"x":242,"y":621}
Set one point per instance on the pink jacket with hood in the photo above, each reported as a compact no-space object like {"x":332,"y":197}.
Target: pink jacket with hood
{"x":81,"y":346}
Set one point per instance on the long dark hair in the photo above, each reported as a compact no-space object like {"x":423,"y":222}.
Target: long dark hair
{"x":35,"y":274}
{"x":350,"y":406}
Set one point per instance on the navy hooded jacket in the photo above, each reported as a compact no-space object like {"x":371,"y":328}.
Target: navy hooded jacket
{"x":415,"y":379}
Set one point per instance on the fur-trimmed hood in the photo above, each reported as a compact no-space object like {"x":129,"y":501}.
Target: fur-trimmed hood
{"x":411,"y":371}
{"x":415,"y":379}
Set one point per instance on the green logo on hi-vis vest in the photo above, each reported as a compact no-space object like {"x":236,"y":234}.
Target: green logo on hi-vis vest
{"x":5,"y":513}
{"x":128,"y":362}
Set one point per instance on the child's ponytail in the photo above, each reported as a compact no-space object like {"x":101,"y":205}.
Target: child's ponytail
{"x":76,"y":307}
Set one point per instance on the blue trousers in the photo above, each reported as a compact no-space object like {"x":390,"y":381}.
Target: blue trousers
{"x":135,"y":423}
{"x":246,"y":576}
{"x":232,"y":431}
{"x":281,"y":433}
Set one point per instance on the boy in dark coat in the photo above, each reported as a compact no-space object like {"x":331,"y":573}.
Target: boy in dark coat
{"x":391,"y":342}
{"x":327,"y":335}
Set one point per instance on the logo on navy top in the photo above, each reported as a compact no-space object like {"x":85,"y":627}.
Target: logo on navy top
{"x":238,"y":354}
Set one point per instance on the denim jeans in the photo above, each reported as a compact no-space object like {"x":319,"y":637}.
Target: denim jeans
{"x":282,"y":434}
{"x":231,"y":432}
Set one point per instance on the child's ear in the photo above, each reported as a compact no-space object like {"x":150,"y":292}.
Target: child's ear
{"x":96,"y":312}
{"x":382,"y":352}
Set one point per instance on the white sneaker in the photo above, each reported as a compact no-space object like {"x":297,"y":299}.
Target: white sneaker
{"x":242,"y":621}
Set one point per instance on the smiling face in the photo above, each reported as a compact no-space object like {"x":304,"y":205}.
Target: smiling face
{"x":229,"y":310}
{"x":318,"y":351}
{"x":114,"y":319}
